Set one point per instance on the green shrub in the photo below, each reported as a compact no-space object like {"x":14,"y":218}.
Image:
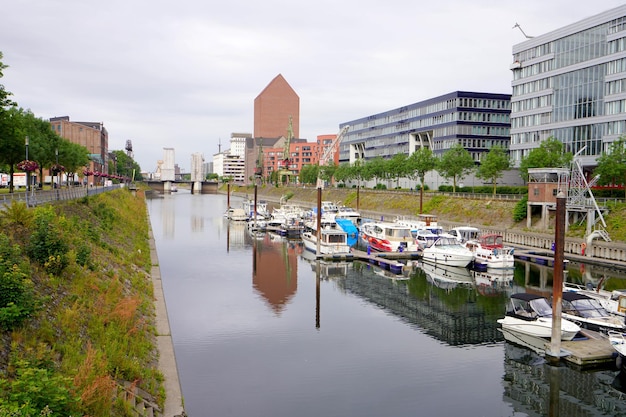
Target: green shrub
{"x":519,"y":213}
{"x":47,"y":242}
{"x":35,"y":391}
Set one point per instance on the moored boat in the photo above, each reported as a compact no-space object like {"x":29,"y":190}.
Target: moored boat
{"x":332,"y":241}
{"x":489,"y":252}
{"x":447,"y":251}
{"x":529,"y":317}
{"x":589,"y":313}
{"x":388,"y":237}
{"x":613,"y":301}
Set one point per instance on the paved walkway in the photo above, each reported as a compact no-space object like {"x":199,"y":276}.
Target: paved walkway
{"x":167,"y":360}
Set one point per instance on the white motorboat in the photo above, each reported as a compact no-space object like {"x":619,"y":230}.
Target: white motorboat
{"x":531,"y":315}
{"x":236,"y":214}
{"x":489,"y":252}
{"x":618,"y":341}
{"x":388,"y":237}
{"x":424,"y":238}
{"x":348,"y":213}
{"x":447,"y":251}
{"x":613,"y":301}
{"x":333,"y":240}
{"x":262,"y":211}
{"x":464,"y":233}
{"x":427,"y":222}
{"x":589,"y":313}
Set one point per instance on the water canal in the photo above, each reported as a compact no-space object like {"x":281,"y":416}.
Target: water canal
{"x":259,"y":330}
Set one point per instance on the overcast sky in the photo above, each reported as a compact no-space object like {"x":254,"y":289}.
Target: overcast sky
{"x":184,"y":74}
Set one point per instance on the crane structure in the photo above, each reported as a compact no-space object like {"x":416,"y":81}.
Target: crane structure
{"x":285,"y":162}
{"x":329,"y":153}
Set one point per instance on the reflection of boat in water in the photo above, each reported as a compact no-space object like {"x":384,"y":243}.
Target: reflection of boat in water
{"x":492,"y":282}
{"x":327,"y":269}
{"x":447,"y":277}
{"x":528,"y":322}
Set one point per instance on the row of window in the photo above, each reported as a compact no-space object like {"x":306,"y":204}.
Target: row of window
{"x":531,"y":120}
{"x":410,"y":113}
{"x":429,"y":122}
{"x":531,"y":103}
{"x":531,"y":87}
{"x":484,"y":117}
{"x":617,"y":25}
{"x":615,"y":107}
{"x":615,"y":87}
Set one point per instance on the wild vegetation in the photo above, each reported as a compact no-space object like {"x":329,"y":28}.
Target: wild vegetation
{"x":76,"y":307}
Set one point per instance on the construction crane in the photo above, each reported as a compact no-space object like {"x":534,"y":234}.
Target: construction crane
{"x":329,"y":153}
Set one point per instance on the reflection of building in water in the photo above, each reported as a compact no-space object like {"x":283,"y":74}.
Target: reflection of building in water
{"x":451,"y":316}
{"x":197,"y":220}
{"x":169,"y":221}
{"x":529,"y":381}
{"x":275,"y":271}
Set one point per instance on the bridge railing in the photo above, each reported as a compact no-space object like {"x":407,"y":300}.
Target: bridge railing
{"x":39,"y":197}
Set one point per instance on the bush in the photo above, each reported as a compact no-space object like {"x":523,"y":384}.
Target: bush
{"x":36,"y":391}
{"x":46,"y":245}
{"x":17,"y":300}
{"x":519,"y":213}
{"x":380,"y":187}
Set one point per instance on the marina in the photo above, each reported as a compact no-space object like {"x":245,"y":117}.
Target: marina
{"x":264,"y":327}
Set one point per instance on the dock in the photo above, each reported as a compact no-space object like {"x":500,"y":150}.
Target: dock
{"x":384,"y":260}
{"x":536,"y":256}
{"x":594,"y":350}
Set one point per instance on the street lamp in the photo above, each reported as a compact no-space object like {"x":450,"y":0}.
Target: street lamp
{"x":56,"y":155}
{"x":27,"y":172}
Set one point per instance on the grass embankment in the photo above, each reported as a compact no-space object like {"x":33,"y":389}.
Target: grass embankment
{"x":476,"y":212}
{"x":76,"y":306}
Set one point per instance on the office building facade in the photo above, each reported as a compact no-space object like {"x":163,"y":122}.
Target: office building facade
{"x":570,"y":84}
{"x":475,"y":120}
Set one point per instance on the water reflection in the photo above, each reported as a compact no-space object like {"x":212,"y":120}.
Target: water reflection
{"x":534,"y":387}
{"x":275,"y":270}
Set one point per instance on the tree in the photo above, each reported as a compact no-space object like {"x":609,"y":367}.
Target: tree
{"x":420,"y":163}
{"x":549,"y":154}
{"x":11,"y":139}
{"x":5,"y":101}
{"x":308,"y":174}
{"x":376,"y":168}
{"x":398,"y":167}
{"x":612,"y":164}
{"x":455,"y":163}
{"x":493,"y":165}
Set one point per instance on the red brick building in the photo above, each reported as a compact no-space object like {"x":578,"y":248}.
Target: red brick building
{"x":272,"y":109}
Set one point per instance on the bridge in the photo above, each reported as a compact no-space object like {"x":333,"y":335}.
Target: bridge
{"x":197,"y":187}
{"x":168,"y":177}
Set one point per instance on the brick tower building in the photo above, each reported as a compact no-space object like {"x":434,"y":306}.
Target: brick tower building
{"x":273,"y":107}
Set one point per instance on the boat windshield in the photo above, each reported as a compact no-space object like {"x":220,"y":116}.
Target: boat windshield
{"x":588,"y":308}
{"x":542,"y":307}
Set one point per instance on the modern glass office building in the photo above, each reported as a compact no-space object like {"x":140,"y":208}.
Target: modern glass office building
{"x":571,"y":84}
{"x":477,"y":121}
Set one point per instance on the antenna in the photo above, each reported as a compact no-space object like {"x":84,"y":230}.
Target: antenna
{"x":522,"y":30}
